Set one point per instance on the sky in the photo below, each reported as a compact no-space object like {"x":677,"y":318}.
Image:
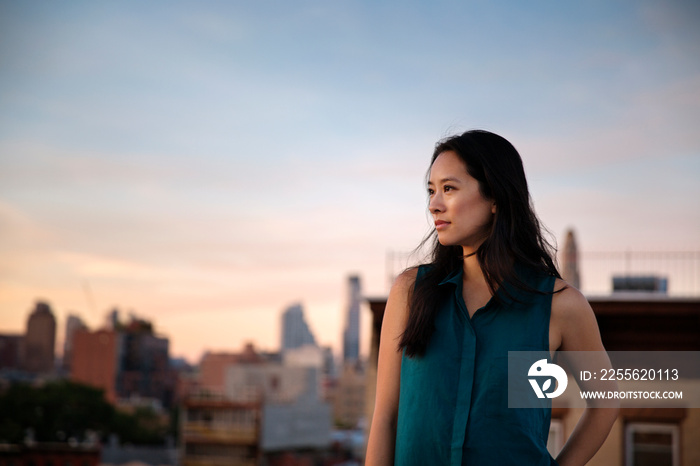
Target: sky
{"x":204,"y":165}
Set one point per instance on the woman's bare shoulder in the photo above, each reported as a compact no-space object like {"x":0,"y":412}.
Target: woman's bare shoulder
{"x":405,"y":280}
{"x":567,"y":299}
{"x":399,"y":297}
{"x":575,"y":319}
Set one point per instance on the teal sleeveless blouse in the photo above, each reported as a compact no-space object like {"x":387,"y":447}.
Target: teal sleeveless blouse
{"x":453,"y":401}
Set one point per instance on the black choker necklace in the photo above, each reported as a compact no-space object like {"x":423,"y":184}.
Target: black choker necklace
{"x":468,"y":255}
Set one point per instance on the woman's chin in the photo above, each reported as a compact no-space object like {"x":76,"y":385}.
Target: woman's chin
{"x":446,"y":242}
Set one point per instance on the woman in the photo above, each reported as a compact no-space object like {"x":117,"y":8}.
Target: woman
{"x":491,"y":287}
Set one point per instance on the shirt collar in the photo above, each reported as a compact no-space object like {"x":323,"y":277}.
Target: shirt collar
{"x":454,"y":278}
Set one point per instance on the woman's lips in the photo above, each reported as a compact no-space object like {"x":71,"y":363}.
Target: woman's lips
{"x":441,"y":224}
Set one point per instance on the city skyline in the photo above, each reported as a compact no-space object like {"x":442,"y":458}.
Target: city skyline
{"x":208,"y":165}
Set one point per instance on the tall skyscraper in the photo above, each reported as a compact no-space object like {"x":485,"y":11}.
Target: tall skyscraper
{"x":73,"y":323}
{"x":40,"y":339}
{"x":351,"y":334}
{"x":295,"y":331}
{"x":569,"y":266}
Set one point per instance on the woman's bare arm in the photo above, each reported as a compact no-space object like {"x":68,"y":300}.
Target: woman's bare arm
{"x":382,"y":434}
{"x":576,"y":322}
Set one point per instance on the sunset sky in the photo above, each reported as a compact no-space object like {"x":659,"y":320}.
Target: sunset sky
{"x":206,"y":164}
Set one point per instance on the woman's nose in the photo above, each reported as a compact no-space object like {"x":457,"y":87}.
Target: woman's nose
{"x":436,"y":204}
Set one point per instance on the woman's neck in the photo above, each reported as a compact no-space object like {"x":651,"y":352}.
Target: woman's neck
{"x":472,"y":268}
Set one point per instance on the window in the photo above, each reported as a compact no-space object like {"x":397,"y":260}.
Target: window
{"x":652,"y":444}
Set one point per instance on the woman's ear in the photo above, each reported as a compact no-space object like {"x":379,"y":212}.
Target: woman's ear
{"x":493,"y":208}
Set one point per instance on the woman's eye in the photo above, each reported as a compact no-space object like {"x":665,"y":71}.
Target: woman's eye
{"x":447,"y":188}
{"x":431,"y":191}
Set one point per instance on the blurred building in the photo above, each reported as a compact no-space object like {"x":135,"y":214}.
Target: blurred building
{"x":188,"y":381}
{"x":115,"y":454}
{"x":49,"y":453}
{"x":299,"y":424}
{"x":73,"y":323}
{"x":144,"y":370}
{"x":320,"y":359}
{"x":266,"y":408}
{"x":267,"y":411}
{"x":269,"y":383}
{"x":295,"y":417}
{"x":640,"y":283}
{"x":40,"y":340}
{"x":349,"y":397}
{"x":95,"y":360}
{"x":295,"y":330}
{"x":213,"y":366}
{"x":212,"y":370}
{"x":305,"y":356}
{"x":11,"y":351}
{"x":128,"y":362}
{"x":351,"y":333}
{"x":329,"y":368}
{"x":112,"y":320}
{"x":569,"y":259}
{"x":215,"y":431}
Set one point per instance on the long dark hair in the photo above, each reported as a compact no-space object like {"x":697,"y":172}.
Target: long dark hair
{"x":515,"y":236}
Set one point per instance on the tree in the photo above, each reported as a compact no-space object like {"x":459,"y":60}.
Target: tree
{"x":62,"y":410}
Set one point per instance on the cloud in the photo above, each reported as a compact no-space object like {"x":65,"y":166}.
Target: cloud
{"x":657,"y":123}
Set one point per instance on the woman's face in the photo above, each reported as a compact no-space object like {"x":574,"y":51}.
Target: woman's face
{"x":462,"y":215}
